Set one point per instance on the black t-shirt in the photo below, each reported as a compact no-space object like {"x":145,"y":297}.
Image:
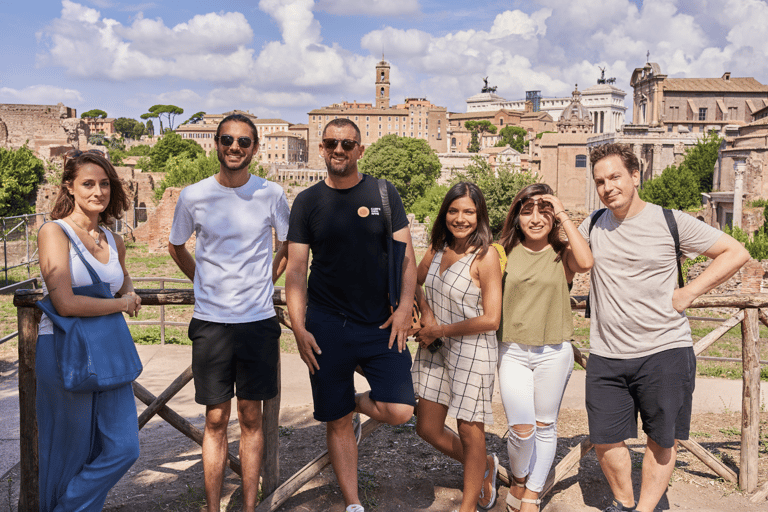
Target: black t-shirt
{"x":346,"y":232}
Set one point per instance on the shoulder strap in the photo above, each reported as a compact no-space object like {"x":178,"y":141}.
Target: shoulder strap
{"x":599,"y":213}
{"x":672,"y":225}
{"x":592,"y":221}
{"x":94,"y":276}
{"x":385,"y":205}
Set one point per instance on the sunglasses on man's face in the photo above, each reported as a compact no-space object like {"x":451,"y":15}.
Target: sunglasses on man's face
{"x":228,"y":140}
{"x":545,"y":207}
{"x":346,"y":144}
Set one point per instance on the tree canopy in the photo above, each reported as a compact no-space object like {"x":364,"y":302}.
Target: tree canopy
{"x":185,"y":170}
{"x":429,"y":204}
{"x":129,"y":128}
{"x":94,"y":113}
{"x":680,"y":187}
{"x":499,"y":188}
{"x":675,"y":187}
{"x":172,"y":145}
{"x":169,"y":111}
{"x":477,"y":128}
{"x":196,"y":118}
{"x":408,"y":163}
{"x":513,"y":136}
{"x":20,"y":173}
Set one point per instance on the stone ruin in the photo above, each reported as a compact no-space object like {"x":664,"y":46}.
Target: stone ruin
{"x":48,"y":130}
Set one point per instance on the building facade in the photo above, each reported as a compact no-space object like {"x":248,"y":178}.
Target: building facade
{"x":417,"y":118}
{"x":104,"y":126}
{"x":47,"y":130}
{"x":282,"y":148}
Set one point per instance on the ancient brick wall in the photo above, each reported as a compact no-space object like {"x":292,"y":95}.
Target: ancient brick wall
{"x":156,"y":230}
{"x":40,"y":127}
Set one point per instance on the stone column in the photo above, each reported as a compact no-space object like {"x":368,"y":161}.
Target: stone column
{"x":657,"y":168}
{"x":739,"y":169}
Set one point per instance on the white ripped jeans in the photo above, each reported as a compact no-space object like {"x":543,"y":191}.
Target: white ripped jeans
{"x":532,"y":381}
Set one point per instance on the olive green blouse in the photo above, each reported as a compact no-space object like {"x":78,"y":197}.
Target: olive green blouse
{"x":536,"y":308}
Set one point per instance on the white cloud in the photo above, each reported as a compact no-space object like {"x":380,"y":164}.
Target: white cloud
{"x":40,"y":95}
{"x":369,"y":7}
{"x":209,"y":47}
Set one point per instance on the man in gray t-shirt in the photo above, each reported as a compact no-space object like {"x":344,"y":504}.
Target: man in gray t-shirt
{"x":641,"y":349}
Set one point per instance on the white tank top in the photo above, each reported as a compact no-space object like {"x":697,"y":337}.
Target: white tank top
{"x":110,"y":272}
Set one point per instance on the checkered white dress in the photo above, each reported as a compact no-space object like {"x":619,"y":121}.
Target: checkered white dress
{"x":460,"y":375}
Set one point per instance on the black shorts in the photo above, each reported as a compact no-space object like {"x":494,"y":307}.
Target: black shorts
{"x":345,"y":345}
{"x":228,"y":355}
{"x":659,"y":387}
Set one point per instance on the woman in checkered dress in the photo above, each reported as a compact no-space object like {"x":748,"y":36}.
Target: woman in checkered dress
{"x":461,"y":306}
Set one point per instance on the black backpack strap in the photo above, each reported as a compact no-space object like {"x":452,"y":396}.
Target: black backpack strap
{"x":385,"y":206}
{"x":592,"y":221}
{"x":672,"y":225}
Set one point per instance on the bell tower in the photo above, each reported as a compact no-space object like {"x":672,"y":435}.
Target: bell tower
{"x":382,"y":84}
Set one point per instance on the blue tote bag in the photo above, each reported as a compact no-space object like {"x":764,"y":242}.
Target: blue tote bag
{"x":94,"y":353}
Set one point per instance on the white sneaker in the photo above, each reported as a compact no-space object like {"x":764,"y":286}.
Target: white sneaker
{"x":355,"y":508}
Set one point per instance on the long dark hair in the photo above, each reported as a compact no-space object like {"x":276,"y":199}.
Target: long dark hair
{"x":65,"y":203}
{"x":512,"y":234}
{"x":481,"y":238}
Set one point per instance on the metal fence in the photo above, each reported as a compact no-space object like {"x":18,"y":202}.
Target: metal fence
{"x":20,"y":232}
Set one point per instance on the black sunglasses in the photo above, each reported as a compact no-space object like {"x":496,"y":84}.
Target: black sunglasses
{"x":346,"y":144}
{"x":228,"y":140}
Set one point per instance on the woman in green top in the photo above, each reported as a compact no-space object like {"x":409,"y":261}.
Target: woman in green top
{"x":535,"y":356}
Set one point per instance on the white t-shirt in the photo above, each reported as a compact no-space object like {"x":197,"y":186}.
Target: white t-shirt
{"x":633,"y":278}
{"x":233,"y":257}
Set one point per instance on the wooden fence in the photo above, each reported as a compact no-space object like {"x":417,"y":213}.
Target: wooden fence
{"x":752,"y":309}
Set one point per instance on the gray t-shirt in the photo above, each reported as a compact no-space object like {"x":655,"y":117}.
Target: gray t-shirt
{"x":633,"y":278}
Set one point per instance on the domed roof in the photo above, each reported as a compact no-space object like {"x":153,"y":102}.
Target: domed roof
{"x":575,"y":117}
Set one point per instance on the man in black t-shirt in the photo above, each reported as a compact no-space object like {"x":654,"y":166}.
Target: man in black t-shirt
{"x":341,"y":318}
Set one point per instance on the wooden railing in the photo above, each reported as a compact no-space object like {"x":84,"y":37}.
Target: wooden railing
{"x":751,"y":310}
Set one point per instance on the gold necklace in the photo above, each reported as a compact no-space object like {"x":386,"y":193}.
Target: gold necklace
{"x":96,"y":239}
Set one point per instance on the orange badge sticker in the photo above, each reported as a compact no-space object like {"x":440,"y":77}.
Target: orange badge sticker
{"x":363,"y":211}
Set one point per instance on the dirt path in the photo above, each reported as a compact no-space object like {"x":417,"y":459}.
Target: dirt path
{"x":400,"y":472}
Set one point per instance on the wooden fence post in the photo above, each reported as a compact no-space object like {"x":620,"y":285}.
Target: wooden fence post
{"x":750,"y":401}
{"x":28,"y":319}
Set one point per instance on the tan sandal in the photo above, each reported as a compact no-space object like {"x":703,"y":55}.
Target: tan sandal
{"x":515,"y":504}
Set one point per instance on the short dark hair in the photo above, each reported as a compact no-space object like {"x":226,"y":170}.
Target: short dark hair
{"x":341,"y":123}
{"x":623,"y":151}
{"x":240,"y":118}
{"x":65,"y":203}
{"x":482,"y":237}
{"x":512,"y":234}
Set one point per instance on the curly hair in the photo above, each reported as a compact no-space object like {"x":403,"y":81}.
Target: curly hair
{"x":623,"y":151}
{"x":512,"y":234}
{"x":481,"y":237}
{"x":65,"y":202}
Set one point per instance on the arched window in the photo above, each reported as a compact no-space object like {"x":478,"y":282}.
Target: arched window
{"x":382,"y":91}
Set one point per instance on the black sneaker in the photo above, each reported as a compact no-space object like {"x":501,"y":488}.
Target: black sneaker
{"x":615,"y":506}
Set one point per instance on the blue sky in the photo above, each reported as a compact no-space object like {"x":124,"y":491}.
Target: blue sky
{"x":283,"y":58}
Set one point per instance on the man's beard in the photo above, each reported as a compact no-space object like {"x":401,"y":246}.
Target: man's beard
{"x":223,"y":161}
{"x":344,"y":170}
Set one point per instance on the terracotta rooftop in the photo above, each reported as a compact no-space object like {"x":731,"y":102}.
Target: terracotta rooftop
{"x":270,"y":121}
{"x":747,"y":84}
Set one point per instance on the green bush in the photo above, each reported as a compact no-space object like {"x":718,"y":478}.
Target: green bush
{"x":428,"y":205}
{"x":20,"y":173}
{"x":757,"y":244}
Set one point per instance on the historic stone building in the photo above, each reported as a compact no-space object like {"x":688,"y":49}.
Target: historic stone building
{"x":604,"y":101}
{"x":694,"y":105}
{"x":417,"y":118}
{"x":561,"y":158}
{"x":671,"y":114}
{"x":460,"y":137}
{"x":741,"y":176}
{"x":48,"y":130}
{"x":204,"y":131}
{"x":101,"y":125}
{"x":283,"y":148}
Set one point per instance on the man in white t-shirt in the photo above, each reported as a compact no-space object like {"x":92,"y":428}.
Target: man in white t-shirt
{"x":642,"y":356}
{"x":234,"y":331}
